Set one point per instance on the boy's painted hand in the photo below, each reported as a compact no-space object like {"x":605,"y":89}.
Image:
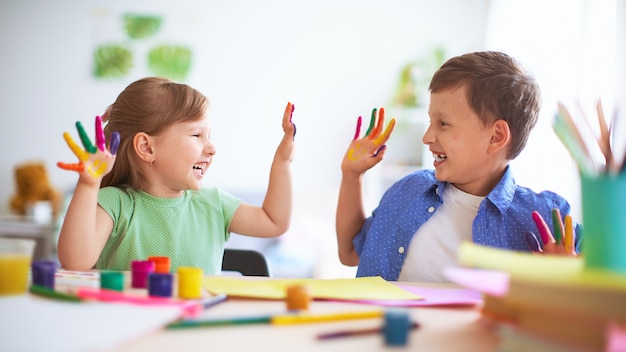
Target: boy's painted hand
{"x":94,"y":160}
{"x":562,"y":243}
{"x":368,"y":151}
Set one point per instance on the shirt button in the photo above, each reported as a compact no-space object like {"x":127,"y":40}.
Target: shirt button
{"x":431,"y":209}
{"x":401,"y":250}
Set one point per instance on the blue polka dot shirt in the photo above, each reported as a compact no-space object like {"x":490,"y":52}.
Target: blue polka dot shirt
{"x":503,"y":218}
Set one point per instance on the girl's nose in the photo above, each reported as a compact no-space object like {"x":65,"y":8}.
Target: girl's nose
{"x":209,"y":148}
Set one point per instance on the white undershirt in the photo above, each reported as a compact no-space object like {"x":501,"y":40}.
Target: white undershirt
{"x":434,"y":245}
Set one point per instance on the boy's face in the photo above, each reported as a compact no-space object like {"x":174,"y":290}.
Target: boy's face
{"x":460,"y":143}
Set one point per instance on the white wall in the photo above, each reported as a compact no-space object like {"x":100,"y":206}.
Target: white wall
{"x":334,"y":59}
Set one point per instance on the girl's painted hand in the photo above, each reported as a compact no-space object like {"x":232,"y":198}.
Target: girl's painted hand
{"x":95,"y":161}
{"x":286,"y":148}
{"x":561,"y":243}
{"x":369,"y":150}
{"x":288,"y":126}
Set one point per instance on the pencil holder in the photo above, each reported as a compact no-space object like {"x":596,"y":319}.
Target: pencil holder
{"x":604,"y":222}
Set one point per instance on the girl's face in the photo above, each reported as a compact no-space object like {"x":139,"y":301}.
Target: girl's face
{"x":183,"y":154}
{"x":460,"y":143}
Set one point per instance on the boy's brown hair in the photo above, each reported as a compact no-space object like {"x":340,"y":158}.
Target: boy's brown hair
{"x":150,"y":105}
{"x":498,"y":88}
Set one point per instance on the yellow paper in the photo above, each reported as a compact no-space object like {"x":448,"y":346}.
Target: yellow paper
{"x":363,"y":288}
{"x":537,"y":267}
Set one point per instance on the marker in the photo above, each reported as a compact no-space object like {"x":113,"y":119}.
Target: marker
{"x":557,"y":225}
{"x":183,"y":324}
{"x":318,"y":318}
{"x":211,"y":301}
{"x":50,"y":293}
{"x":361,"y":332}
{"x":189,"y":308}
{"x":286,"y":319}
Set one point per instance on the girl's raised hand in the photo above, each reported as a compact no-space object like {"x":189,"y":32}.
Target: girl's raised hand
{"x":95,"y":161}
{"x":368,"y":151}
{"x":288,"y":126}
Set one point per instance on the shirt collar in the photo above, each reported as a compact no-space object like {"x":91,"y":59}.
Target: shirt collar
{"x":502,"y":195}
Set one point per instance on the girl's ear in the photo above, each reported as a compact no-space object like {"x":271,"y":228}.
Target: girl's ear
{"x":500,"y":136}
{"x":142,"y":143}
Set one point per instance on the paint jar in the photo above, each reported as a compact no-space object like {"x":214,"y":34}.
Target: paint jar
{"x":161,"y":263}
{"x":112,"y":280}
{"x":140,"y":269}
{"x":604,"y":222}
{"x":42,"y":273}
{"x":189,"y":282}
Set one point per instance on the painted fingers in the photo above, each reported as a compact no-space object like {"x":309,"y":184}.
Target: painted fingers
{"x":95,"y":159}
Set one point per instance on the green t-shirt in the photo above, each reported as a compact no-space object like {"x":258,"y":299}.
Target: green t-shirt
{"x":191,"y":229}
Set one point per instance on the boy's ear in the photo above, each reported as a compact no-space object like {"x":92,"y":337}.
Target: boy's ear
{"x":500,"y":136}
{"x":142,"y":143}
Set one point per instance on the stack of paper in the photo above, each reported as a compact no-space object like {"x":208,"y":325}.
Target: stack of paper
{"x":545,"y":298}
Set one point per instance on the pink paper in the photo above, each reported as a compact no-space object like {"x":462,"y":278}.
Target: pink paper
{"x":486,"y":281}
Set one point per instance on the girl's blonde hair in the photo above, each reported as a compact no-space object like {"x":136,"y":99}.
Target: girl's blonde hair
{"x":150,"y":105}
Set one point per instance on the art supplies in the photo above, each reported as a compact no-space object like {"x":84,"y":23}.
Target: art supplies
{"x":279,"y":319}
{"x":568,"y":304}
{"x":357,"y":332}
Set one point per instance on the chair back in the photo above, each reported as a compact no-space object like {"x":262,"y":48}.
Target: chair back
{"x":246,"y":262}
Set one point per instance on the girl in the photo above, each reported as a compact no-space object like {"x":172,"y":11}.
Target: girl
{"x":148,"y":200}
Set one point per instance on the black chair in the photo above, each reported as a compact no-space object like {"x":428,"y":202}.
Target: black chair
{"x":246,"y":262}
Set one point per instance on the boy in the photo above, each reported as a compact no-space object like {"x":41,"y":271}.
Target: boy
{"x":483,"y":106}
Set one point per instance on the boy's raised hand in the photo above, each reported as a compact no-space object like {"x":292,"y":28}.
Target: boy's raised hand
{"x":95,"y":161}
{"x":368,"y":151}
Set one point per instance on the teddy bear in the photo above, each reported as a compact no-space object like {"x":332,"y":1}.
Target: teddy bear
{"x":33,"y":185}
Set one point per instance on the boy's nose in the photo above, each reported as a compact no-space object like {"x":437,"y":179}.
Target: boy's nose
{"x":428,"y":136}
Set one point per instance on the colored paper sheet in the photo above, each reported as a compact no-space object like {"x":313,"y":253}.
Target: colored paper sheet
{"x":432,"y":297}
{"x":35,"y":324}
{"x":492,"y":282}
{"x":616,"y":338}
{"x":538,"y":268}
{"x":363,"y":288}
